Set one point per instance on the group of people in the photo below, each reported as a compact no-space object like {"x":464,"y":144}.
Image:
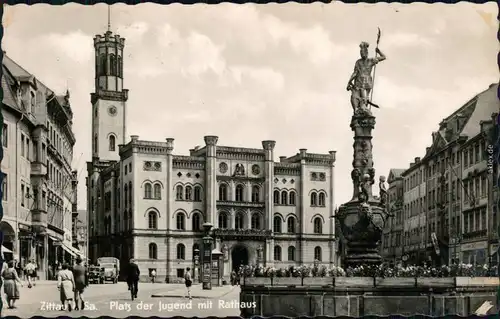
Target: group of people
{"x":70,"y":282}
{"x":12,"y":273}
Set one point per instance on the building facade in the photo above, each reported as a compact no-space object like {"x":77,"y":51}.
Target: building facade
{"x":448,"y":193}
{"x":392,"y":249}
{"x":38,"y":182}
{"x":146,"y":203}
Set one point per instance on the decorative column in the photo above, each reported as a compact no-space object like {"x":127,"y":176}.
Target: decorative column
{"x":211,"y":178}
{"x":302,"y":205}
{"x":268,"y":146}
{"x":332,"y":239}
{"x":169,"y":199}
{"x":363,"y":218}
{"x":207,"y":257}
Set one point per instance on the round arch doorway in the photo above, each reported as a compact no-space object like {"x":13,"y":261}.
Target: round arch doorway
{"x":239,"y":257}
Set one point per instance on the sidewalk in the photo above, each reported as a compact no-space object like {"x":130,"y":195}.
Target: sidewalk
{"x":197,"y":292}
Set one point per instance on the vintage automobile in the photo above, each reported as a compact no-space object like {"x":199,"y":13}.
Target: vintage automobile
{"x":96,"y":275}
{"x":111,"y":268}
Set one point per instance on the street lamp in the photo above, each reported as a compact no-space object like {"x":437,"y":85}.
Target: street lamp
{"x":207,"y":257}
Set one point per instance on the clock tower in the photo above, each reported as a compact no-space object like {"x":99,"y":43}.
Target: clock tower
{"x":110,"y":98}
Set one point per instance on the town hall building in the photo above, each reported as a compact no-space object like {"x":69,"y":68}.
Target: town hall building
{"x":145,"y":202}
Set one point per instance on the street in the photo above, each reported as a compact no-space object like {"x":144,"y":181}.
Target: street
{"x":114,"y":300}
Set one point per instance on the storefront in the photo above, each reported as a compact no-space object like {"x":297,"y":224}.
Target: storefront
{"x":9,"y":239}
{"x":25,"y":236}
{"x":475,"y":253}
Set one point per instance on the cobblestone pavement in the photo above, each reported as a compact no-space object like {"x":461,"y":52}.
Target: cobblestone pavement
{"x":114,"y":300}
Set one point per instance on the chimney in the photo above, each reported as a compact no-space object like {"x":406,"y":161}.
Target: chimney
{"x":303,"y":152}
{"x":282,"y":159}
{"x":134,"y":138}
{"x":417,"y":160}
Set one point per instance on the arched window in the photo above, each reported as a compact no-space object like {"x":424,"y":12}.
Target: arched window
{"x":102,"y":64}
{"x":256,"y":221}
{"x":179,"y":192}
{"x":196,"y":222}
{"x":276,"y":197}
{"x":321,"y":200}
{"x":239,"y":193}
{"x":181,"y":252}
{"x":277,"y":253}
{"x":277,"y":224}
{"x":238,"y":221}
{"x":318,"y":225}
{"x":180,"y":221}
{"x":153,"y":251}
{"x":152,"y":220}
{"x":255,"y":194}
{"x":197,"y":194}
{"x":96,"y":144}
{"x":223,"y":192}
{"x":157,"y":188}
{"x":223,"y":220}
{"x":317,"y":253}
{"x":291,"y":224}
{"x":284,"y":198}
{"x":291,"y":253}
{"x":147,"y":190}
{"x":112,"y":64}
{"x":189,"y":193}
{"x":314,"y":199}
{"x":291,"y":198}
{"x":120,"y":66}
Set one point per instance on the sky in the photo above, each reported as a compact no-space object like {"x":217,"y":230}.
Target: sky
{"x":248,"y":73}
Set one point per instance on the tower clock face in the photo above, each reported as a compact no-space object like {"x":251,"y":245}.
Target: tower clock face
{"x":112,"y":110}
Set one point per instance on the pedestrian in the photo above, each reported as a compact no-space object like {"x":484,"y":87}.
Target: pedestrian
{"x":81,"y":282}
{"x":188,"y":282}
{"x":66,"y":286}
{"x":30,"y":271}
{"x":153,"y":276}
{"x":233,"y":278}
{"x":11,"y":283}
{"x":133,"y":274}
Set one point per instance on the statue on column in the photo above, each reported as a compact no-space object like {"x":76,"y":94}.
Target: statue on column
{"x":383,"y":191}
{"x":361,"y":82}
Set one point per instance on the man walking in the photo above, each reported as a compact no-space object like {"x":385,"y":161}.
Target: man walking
{"x":30,"y":271}
{"x":133,"y":274}
{"x":81,"y":282}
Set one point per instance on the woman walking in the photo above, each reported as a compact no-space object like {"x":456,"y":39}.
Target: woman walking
{"x":11,"y":283}
{"x":188,"y":282}
{"x":66,"y":286}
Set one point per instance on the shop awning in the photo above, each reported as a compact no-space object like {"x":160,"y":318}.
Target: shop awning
{"x":6,"y":250}
{"x":77,"y":252}
{"x":68,"y":250}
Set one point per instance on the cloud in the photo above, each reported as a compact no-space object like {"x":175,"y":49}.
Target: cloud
{"x":74,"y":45}
{"x":202,"y":55}
{"x":404,"y":40}
{"x":265,"y":78}
{"x":133,"y":32}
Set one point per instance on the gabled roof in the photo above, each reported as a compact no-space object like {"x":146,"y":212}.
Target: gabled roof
{"x":395,"y":173}
{"x":9,"y":98}
{"x":487,"y":103}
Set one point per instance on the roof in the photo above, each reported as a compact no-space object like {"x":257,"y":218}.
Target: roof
{"x":9,"y":98}
{"x":487,"y":103}
{"x":396,"y":172}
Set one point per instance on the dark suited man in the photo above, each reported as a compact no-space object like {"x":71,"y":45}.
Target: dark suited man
{"x":81,"y":282}
{"x":133,"y":274}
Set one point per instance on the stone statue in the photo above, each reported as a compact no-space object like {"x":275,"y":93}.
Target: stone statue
{"x":383,"y":191}
{"x":361,"y":83}
{"x":239,"y":170}
{"x":366,"y":185}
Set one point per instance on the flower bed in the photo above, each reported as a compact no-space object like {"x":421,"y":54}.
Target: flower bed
{"x":382,"y":271}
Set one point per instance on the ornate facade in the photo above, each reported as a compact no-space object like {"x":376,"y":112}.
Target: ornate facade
{"x":146,"y":203}
{"x":39,"y":187}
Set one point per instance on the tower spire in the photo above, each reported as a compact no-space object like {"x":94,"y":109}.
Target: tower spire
{"x":109,"y":18}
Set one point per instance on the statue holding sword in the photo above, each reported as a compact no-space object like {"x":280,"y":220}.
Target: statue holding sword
{"x":361,"y":82}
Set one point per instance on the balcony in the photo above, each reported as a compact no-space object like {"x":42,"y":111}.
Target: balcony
{"x":38,"y":169}
{"x":241,"y":234}
{"x":240,"y":204}
{"x":475,"y":234}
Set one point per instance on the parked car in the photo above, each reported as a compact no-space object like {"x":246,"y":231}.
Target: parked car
{"x":96,"y":275}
